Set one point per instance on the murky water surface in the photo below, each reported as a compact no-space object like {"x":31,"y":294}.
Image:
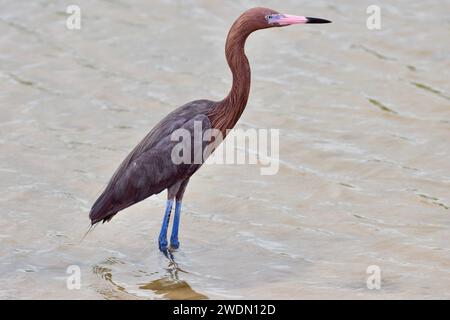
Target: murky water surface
{"x":364,"y":177}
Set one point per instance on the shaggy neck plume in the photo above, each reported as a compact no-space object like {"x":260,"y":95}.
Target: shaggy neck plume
{"x":227,"y":112}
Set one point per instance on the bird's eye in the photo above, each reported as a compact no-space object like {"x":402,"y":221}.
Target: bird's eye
{"x":268,"y":17}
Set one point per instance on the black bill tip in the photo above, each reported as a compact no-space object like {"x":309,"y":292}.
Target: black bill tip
{"x":317,"y":20}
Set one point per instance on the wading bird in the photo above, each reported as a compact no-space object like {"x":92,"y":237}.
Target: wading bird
{"x":149,"y":168}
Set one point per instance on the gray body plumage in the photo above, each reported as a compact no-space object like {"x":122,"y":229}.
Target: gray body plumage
{"x":149,"y":168}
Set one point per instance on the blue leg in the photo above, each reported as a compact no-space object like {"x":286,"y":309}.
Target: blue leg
{"x":162,"y":241}
{"x":174,"y":243}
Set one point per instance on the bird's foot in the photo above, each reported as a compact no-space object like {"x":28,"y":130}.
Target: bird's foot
{"x":162,"y":243}
{"x":174,"y":244}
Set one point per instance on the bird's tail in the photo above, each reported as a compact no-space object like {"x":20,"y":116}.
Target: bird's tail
{"x":103,"y":208}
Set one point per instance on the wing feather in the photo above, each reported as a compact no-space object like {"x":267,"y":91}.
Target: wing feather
{"x":149,"y":168}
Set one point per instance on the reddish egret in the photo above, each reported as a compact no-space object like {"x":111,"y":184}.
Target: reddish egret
{"x":149,"y":168}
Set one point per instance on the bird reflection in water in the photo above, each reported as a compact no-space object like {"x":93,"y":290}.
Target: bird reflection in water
{"x":169,"y":286}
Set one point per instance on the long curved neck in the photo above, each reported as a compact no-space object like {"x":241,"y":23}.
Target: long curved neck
{"x":227,"y":112}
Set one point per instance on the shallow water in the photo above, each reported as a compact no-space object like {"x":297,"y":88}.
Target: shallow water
{"x":364,"y":173}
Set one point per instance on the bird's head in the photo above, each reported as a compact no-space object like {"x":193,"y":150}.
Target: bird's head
{"x":262,"y":18}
